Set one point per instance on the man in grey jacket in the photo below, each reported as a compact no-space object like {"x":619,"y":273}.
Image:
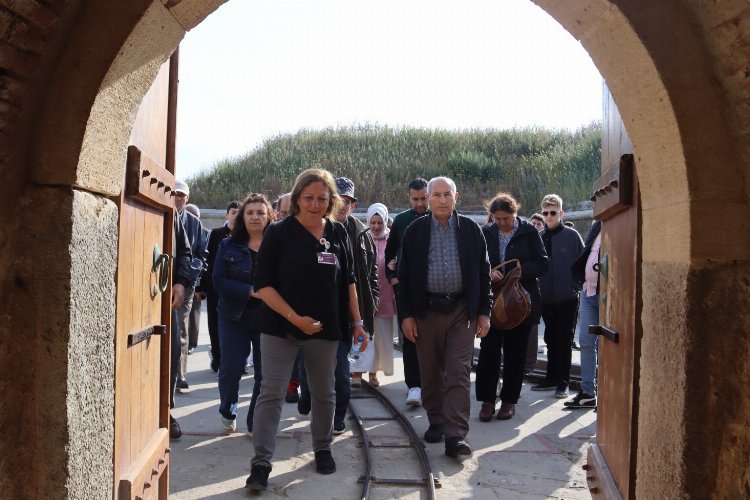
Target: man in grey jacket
{"x":559,"y":296}
{"x":199,"y":250}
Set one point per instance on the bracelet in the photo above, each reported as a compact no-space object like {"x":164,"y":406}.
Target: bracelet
{"x":354,"y":324}
{"x":290,"y":314}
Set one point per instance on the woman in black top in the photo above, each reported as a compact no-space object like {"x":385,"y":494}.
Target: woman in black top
{"x":509,"y":237}
{"x":305,"y":277}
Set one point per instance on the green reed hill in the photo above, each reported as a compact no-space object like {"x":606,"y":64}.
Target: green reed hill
{"x":528,"y":162}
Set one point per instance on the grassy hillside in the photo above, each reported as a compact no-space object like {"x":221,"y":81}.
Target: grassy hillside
{"x":381,"y":160}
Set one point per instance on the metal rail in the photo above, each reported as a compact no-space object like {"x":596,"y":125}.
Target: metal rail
{"x":428,"y":481}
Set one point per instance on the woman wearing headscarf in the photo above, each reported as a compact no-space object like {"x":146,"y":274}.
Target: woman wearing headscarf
{"x":239,"y":308}
{"x":384,"y":323}
{"x":305,"y":277}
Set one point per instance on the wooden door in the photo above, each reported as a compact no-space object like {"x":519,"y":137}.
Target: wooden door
{"x":611,"y":460}
{"x":141,"y":461}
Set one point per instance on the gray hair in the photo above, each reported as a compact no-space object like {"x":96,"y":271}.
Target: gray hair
{"x":447,"y":180}
{"x":193,"y":209}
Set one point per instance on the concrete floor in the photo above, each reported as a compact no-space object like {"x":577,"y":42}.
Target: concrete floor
{"x":537,"y":454}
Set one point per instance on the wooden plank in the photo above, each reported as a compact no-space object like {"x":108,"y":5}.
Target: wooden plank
{"x":613,"y":191}
{"x":124,"y":323}
{"x":618,"y":362}
{"x":141,"y":479}
{"x":148,"y":181}
{"x":598,"y":476}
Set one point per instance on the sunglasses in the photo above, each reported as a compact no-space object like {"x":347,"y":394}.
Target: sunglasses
{"x":551,"y":212}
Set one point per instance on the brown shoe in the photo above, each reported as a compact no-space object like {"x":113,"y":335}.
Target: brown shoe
{"x":507,"y":410}
{"x":485,"y":414}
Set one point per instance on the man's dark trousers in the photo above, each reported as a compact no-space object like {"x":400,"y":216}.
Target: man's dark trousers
{"x":559,"y":328}
{"x":412,"y":376}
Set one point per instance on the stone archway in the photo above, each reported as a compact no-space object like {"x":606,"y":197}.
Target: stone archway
{"x":74,"y":74}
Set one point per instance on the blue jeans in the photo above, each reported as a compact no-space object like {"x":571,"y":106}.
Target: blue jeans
{"x":588,"y":315}
{"x":235,"y":339}
{"x":342,"y":383}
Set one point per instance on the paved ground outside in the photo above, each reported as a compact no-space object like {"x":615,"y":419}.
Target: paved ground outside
{"x":537,"y":454}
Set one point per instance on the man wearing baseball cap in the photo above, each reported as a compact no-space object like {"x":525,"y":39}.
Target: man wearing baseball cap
{"x":199,"y":248}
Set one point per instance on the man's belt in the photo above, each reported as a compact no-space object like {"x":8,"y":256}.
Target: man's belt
{"x":443,"y":302}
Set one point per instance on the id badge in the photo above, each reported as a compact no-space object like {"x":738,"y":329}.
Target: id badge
{"x":326,"y":258}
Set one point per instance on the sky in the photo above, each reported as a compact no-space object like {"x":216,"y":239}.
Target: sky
{"x":255,"y":69}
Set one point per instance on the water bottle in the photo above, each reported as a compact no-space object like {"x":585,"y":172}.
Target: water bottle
{"x":354,"y":351}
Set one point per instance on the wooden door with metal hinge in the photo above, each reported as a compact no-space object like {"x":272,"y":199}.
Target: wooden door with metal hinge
{"x":611,"y":460}
{"x":142,"y":343}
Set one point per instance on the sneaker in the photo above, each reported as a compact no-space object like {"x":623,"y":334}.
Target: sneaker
{"x":339,"y":428}
{"x":228,"y":424}
{"x":303,"y":406}
{"x":544,"y":385}
{"x":182,"y":385}
{"x":434,"y":433}
{"x":258,"y":479}
{"x":414,"y":397}
{"x":457,"y":447}
{"x":561,"y":391}
{"x":292,"y":394}
{"x":357,"y":381}
{"x":324,"y":463}
{"x":175,"y":432}
{"x":581,"y":400}
{"x":575,"y":346}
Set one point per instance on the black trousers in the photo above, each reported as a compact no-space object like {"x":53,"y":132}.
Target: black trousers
{"x":412,"y":377}
{"x":559,"y":328}
{"x":513,"y":345}
{"x":212,"y":303}
{"x":174,"y":368}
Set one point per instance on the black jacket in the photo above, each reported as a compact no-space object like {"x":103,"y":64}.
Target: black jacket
{"x":412,"y":268}
{"x":216,"y":236}
{"x":578,"y":269}
{"x":183,"y":271}
{"x":526,"y":246}
{"x":364,"y":256}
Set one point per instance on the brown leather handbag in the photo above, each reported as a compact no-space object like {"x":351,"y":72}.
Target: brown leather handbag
{"x":511,"y":302}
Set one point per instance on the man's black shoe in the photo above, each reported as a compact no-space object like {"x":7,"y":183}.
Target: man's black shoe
{"x":303,"y":406}
{"x":581,"y":401}
{"x":182,"y":384}
{"x":544,"y":385}
{"x":175,"y":432}
{"x":258,"y":479}
{"x":324,"y":463}
{"x":215,"y":365}
{"x":434,"y":433}
{"x":575,"y":346}
{"x":457,"y":447}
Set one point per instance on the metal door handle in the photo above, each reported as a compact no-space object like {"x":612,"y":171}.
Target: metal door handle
{"x":161,"y":268}
{"x":604,"y":332}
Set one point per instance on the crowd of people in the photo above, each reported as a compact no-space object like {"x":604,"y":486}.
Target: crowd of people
{"x":291,"y":286}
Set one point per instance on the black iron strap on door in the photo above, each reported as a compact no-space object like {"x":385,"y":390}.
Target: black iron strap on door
{"x":145,"y":333}
{"x":605,"y":332}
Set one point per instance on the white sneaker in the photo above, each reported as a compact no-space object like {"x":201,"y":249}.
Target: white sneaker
{"x":414,"y":398}
{"x":228,"y":425}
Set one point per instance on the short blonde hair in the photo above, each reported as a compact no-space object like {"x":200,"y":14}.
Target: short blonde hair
{"x":552,"y":200}
{"x":308,"y":177}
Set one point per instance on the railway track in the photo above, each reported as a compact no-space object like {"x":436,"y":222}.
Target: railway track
{"x":391,"y":448}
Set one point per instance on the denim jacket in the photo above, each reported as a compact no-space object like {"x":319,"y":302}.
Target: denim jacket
{"x":232,"y":279}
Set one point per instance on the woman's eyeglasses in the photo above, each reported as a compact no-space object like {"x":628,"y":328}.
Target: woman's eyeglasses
{"x":551,"y":212}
